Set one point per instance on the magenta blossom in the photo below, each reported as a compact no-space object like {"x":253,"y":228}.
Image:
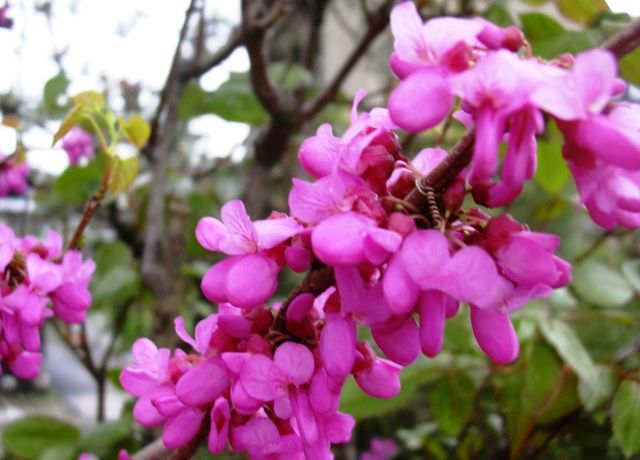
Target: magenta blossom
{"x":248,"y":278}
{"x":13,"y":176}
{"x":78,"y":144}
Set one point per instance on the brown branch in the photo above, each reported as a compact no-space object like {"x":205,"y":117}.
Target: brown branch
{"x":377,"y":23}
{"x":254,"y":30}
{"x":446,"y":171}
{"x":90,"y":208}
{"x":625,"y":41}
{"x":198,"y":69}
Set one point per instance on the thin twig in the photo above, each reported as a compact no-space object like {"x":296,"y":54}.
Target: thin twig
{"x":624,"y":41}
{"x":377,"y":23}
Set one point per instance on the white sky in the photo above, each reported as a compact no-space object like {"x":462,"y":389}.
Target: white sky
{"x":113,"y":40}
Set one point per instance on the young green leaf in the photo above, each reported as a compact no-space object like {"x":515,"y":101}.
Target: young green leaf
{"x":91,"y":100}
{"x":70,"y":120}
{"x":626,"y":417}
{"x":30,"y":437}
{"x":123,"y":172}
{"x":136,"y":130}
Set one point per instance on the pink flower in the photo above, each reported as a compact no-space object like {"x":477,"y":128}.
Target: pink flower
{"x":13,"y":176}
{"x":248,"y":278}
{"x":78,"y":144}
{"x":611,"y":194}
{"x":381,"y":449}
{"x":72,"y":297}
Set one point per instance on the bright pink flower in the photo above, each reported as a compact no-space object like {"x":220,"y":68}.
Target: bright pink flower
{"x":248,"y":278}
{"x":13,"y":176}
{"x":375,"y":376}
{"x":381,"y":449}
{"x":72,"y":297}
{"x":611,"y":194}
{"x":78,"y":144}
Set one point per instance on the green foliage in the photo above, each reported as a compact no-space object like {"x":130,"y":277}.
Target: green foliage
{"x":116,"y":279}
{"x":123,"y":172}
{"x":234,"y":100}
{"x":529,"y":390}
{"x":583,"y":12}
{"x":31,"y":437}
{"x":630,"y":67}
{"x":601,"y":285}
{"x":498,"y":14}
{"x":451,"y":401}
{"x":626,"y":417}
{"x":552,"y":174}
{"x":74,"y":185}
{"x":568,"y":345}
{"x":136,"y":130}
{"x":53,"y":90}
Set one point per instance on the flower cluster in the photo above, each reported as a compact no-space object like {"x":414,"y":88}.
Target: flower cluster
{"x":505,"y":95}
{"x":78,"y":144}
{"x":13,"y":175}
{"x":266,"y":379}
{"x":38,"y":281}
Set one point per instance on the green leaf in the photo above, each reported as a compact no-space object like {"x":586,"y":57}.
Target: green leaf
{"x":105,"y":437}
{"x":600,"y":284}
{"x":60,"y":453}
{"x":535,"y":2}
{"x":75,"y":184}
{"x":30,"y":437}
{"x":570,"y":42}
{"x":451,"y":401}
{"x":499,"y":15}
{"x":71,"y":119}
{"x":91,"y":100}
{"x":136,"y":130}
{"x":53,"y":89}
{"x":582,"y":11}
{"x":538,"y":26}
{"x":630,"y":67}
{"x":527,"y":390}
{"x":626,"y":417}
{"x":631,"y":271}
{"x":233,"y":101}
{"x":570,"y":348}
{"x":590,"y":398}
{"x":115,"y":280}
{"x":123,"y":172}
{"x":552,"y":174}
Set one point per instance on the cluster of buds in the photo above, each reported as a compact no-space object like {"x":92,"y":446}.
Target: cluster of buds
{"x":387,"y":244}
{"x":38,"y":281}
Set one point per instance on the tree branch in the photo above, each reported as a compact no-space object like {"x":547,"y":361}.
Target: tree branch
{"x":624,"y":41}
{"x":377,"y":23}
{"x":198,"y":69}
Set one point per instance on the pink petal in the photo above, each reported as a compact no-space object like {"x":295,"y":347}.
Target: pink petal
{"x":255,"y":378}
{"x":181,"y":429}
{"x":202,"y":384}
{"x":381,"y":379}
{"x":339,"y":427}
{"x":219,"y":433}
{"x":251,"y":281}
{"x":495,"y":335}
{"x":260,"y":437}
{"x":274,"y":231}
{"x":400,"y":291}
{"x":338,"y":345}
{"x":319,"y":153}
{"x":471,"y":274}
{"x":379,"y":243}
{"x":427,"y":253}
{"x":398,"y":339}
{"x":26,"y":365}
{"x":213,"y":281}
{"x":210,"y":233}
{"x":338,"y":240}
{"x":427,"y":90}
{"x":432,"y":311}
{"x":296,"y":361}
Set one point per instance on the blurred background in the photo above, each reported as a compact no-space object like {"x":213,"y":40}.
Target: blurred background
{"x":226,"y":121}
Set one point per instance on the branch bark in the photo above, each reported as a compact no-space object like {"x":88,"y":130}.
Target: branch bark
{"x":625,"y":41}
